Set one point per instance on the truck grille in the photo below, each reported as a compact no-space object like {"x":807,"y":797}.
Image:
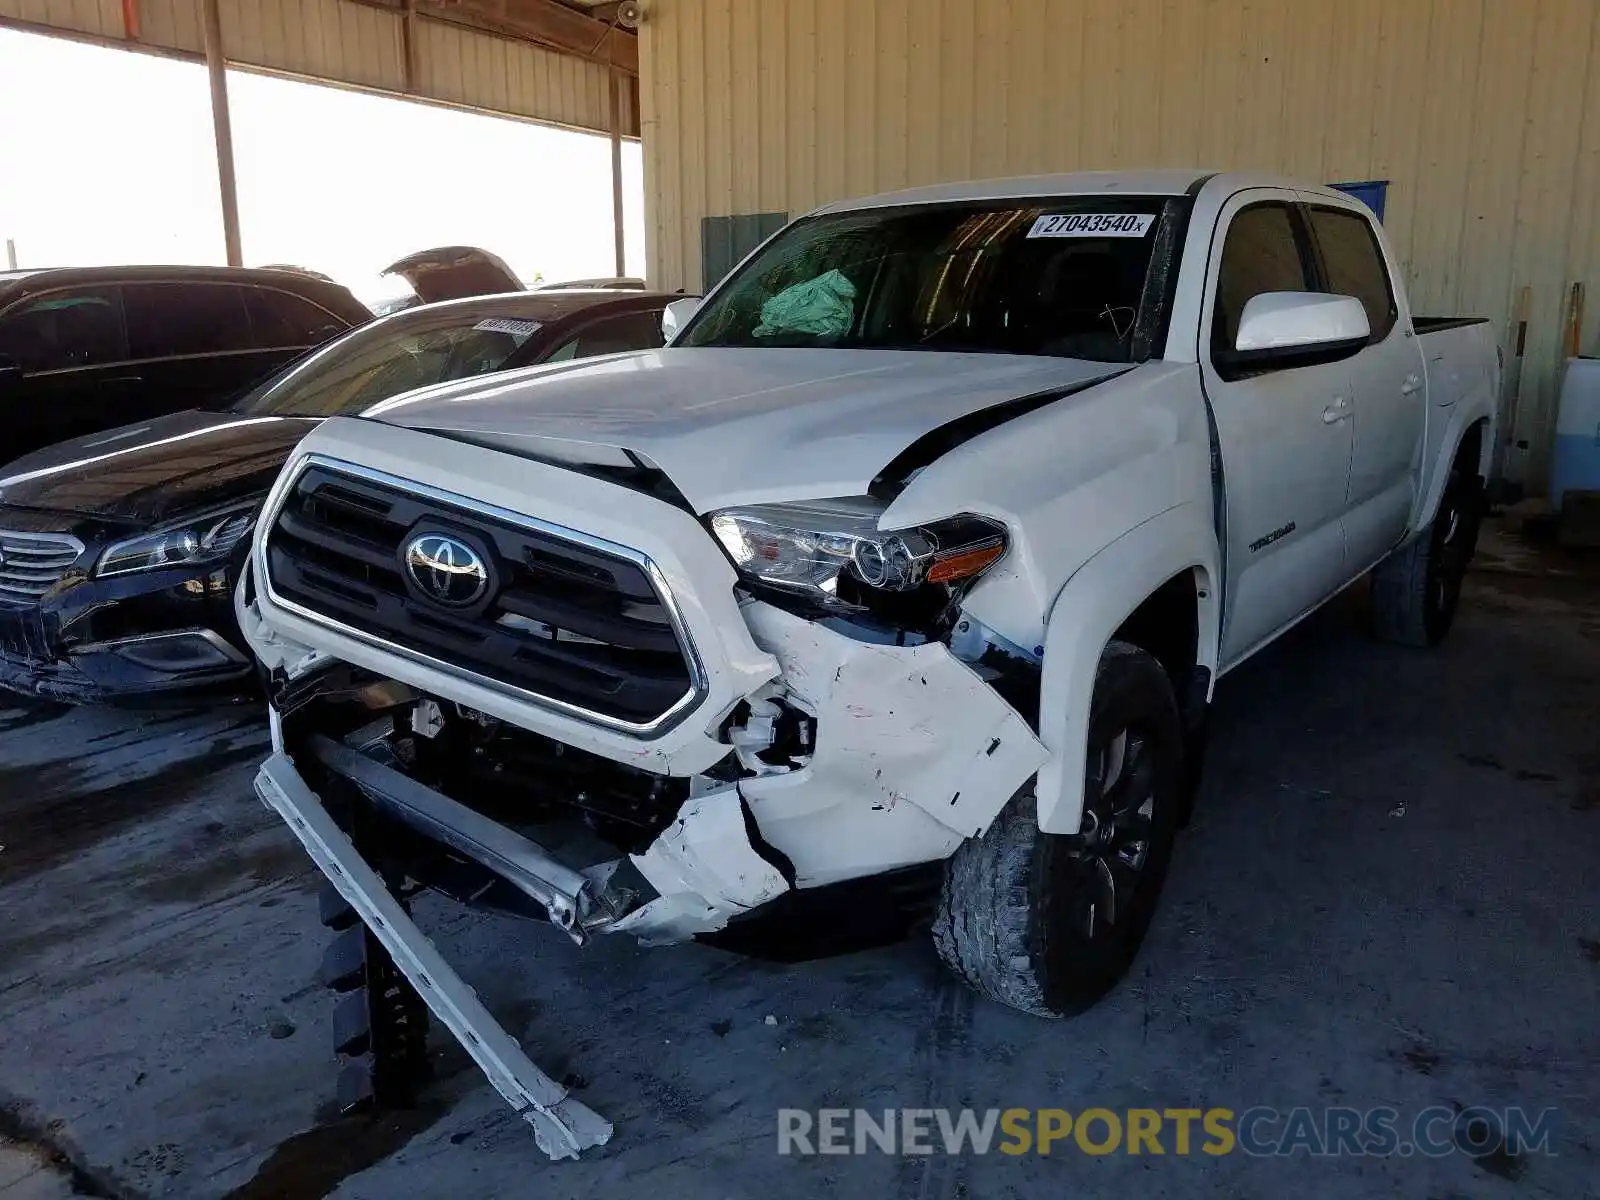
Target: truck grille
{"x":33,"y":563}
{"x":559,"y":619}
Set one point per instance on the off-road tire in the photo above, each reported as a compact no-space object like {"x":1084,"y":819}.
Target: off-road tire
{"x":1416,"y":591}
{"x":1008,"y":921}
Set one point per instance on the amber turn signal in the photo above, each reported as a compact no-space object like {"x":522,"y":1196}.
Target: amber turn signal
{"x":964,"y":563}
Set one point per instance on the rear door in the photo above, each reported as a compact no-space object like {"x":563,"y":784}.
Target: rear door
{"x":1285,"y":433}
{"x":1386,"y":382}
{"x":193,"y":343}
{"x":283,"y":325}
{"x":72,"y":348}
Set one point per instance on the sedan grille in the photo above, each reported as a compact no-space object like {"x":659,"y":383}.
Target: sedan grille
{"x":561,"y":619}
{"x":33,"y":563}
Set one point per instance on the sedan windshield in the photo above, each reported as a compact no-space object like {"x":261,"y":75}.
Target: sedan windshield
{"x":1078,"y":277}
{"x":390,"y":357}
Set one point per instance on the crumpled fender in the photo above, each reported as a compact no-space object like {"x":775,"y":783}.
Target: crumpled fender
{"x":1091,"y":606}
{"x":914,"y":753}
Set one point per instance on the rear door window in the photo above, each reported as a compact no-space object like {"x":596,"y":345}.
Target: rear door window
{"x":1263,"y":253}
{"x":172,"y":320}
{"x":76,"y":327}
{"x":612,"y":335}
{"x":280,"y":319}
{"x":1352,"y":265}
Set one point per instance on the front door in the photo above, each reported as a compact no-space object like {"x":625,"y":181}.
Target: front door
{"x":1285,"y":434}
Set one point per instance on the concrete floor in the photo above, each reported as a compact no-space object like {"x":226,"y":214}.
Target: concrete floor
{"x":1388,"y":896}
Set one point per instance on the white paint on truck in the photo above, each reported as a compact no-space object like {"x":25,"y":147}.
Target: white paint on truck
{"x":1248,"y":430}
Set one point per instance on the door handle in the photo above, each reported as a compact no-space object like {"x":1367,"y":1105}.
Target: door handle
{"x":1339,"y":410}
{"x":127,"y":379}
{"x":1412,"y":385}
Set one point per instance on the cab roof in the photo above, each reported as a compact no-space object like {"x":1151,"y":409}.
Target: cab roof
{"x":1173,"y":181}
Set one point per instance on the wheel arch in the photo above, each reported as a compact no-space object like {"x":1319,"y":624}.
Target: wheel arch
{"x":1471,"y":428}
{"x":1135,"y":587}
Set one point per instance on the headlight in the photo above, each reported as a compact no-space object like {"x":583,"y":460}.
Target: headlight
{"x":833,"y":553}
{"x":204,"y":540}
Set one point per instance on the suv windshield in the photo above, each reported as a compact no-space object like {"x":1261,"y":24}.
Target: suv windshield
{"x":1081,"y":277}
{"x":388,"y":358}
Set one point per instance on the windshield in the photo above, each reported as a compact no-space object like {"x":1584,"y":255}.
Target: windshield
{"x":1077,"y":277}
{"x":388,"y":358}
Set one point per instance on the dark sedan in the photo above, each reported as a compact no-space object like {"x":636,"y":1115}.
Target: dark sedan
{"x":119,"y":551}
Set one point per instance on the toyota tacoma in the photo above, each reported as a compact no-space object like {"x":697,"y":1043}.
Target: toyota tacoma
{"x":910,"y":564}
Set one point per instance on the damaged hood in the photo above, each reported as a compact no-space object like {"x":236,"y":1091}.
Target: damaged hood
{"x":737,"y":426}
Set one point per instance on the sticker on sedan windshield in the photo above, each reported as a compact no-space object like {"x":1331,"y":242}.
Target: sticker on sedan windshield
{"x":1091,"y":225}
{"x":509,"y":325}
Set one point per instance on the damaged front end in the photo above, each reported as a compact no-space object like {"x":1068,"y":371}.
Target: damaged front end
{"x":857,"y":760}
{"x":796,"y":752}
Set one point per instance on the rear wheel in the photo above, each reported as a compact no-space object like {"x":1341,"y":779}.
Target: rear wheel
{"x":1417,"y":589}
{"x":1048,"y":923}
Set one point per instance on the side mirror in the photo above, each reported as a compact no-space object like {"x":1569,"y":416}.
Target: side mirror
{"x":10,"y":372}
{"x":676,"y":315}
{"x":1298,"y":329}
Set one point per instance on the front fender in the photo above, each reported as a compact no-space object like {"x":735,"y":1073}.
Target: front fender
{"x":1091,"y":606}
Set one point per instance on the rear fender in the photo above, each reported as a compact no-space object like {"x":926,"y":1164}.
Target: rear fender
{"x":1462,"y":417}
{"x":1089,"y":609}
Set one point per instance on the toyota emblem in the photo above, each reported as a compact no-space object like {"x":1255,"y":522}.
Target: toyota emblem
{"x":446,"y":570}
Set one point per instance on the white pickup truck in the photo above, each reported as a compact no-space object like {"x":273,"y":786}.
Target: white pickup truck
{"x":906,"y":571}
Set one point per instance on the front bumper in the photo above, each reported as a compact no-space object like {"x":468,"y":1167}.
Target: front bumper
{"x":562,"y":1125}
{"x":157,"y":637}
{"x":700,"y":873}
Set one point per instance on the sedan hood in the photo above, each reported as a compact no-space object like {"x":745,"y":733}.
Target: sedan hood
{"x":146,"y":473}
{"x":737,"y":426}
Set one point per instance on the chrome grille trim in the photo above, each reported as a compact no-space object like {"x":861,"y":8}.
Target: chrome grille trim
{"x":33,"y":563}
{"x":699,"y":684}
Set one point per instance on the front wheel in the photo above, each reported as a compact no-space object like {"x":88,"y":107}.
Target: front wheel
{"x":1048,"y":923}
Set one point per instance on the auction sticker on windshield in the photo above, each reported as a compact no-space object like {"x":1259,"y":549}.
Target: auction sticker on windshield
{"x":511,"y":325}
{"x":1091,"y":225}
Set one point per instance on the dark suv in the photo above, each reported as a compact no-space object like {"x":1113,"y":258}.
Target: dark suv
{"x":86,"y":349}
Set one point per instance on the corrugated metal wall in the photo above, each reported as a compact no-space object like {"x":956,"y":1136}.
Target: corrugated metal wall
{"x":1484,"y":115}
{"x":360,"y":44}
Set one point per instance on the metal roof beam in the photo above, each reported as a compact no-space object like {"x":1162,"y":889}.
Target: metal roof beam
{"x":543,"y":22}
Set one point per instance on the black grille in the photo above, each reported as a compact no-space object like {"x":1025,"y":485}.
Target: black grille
{"x":562,"y":620}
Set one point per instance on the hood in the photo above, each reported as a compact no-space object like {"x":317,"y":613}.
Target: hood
{"x":146,"y":473}
{"x":452,"y":272}
{"x":738,"y":426}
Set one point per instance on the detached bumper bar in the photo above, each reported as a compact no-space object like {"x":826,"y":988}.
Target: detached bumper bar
{"x":576,"y":901}
{"x":562,"y":1125}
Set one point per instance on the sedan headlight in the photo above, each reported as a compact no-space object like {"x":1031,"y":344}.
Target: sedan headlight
{"x":832,"y":552}
{"x":203,"y":540}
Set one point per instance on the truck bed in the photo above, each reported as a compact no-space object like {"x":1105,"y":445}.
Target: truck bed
{"x":1426,"y":325}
